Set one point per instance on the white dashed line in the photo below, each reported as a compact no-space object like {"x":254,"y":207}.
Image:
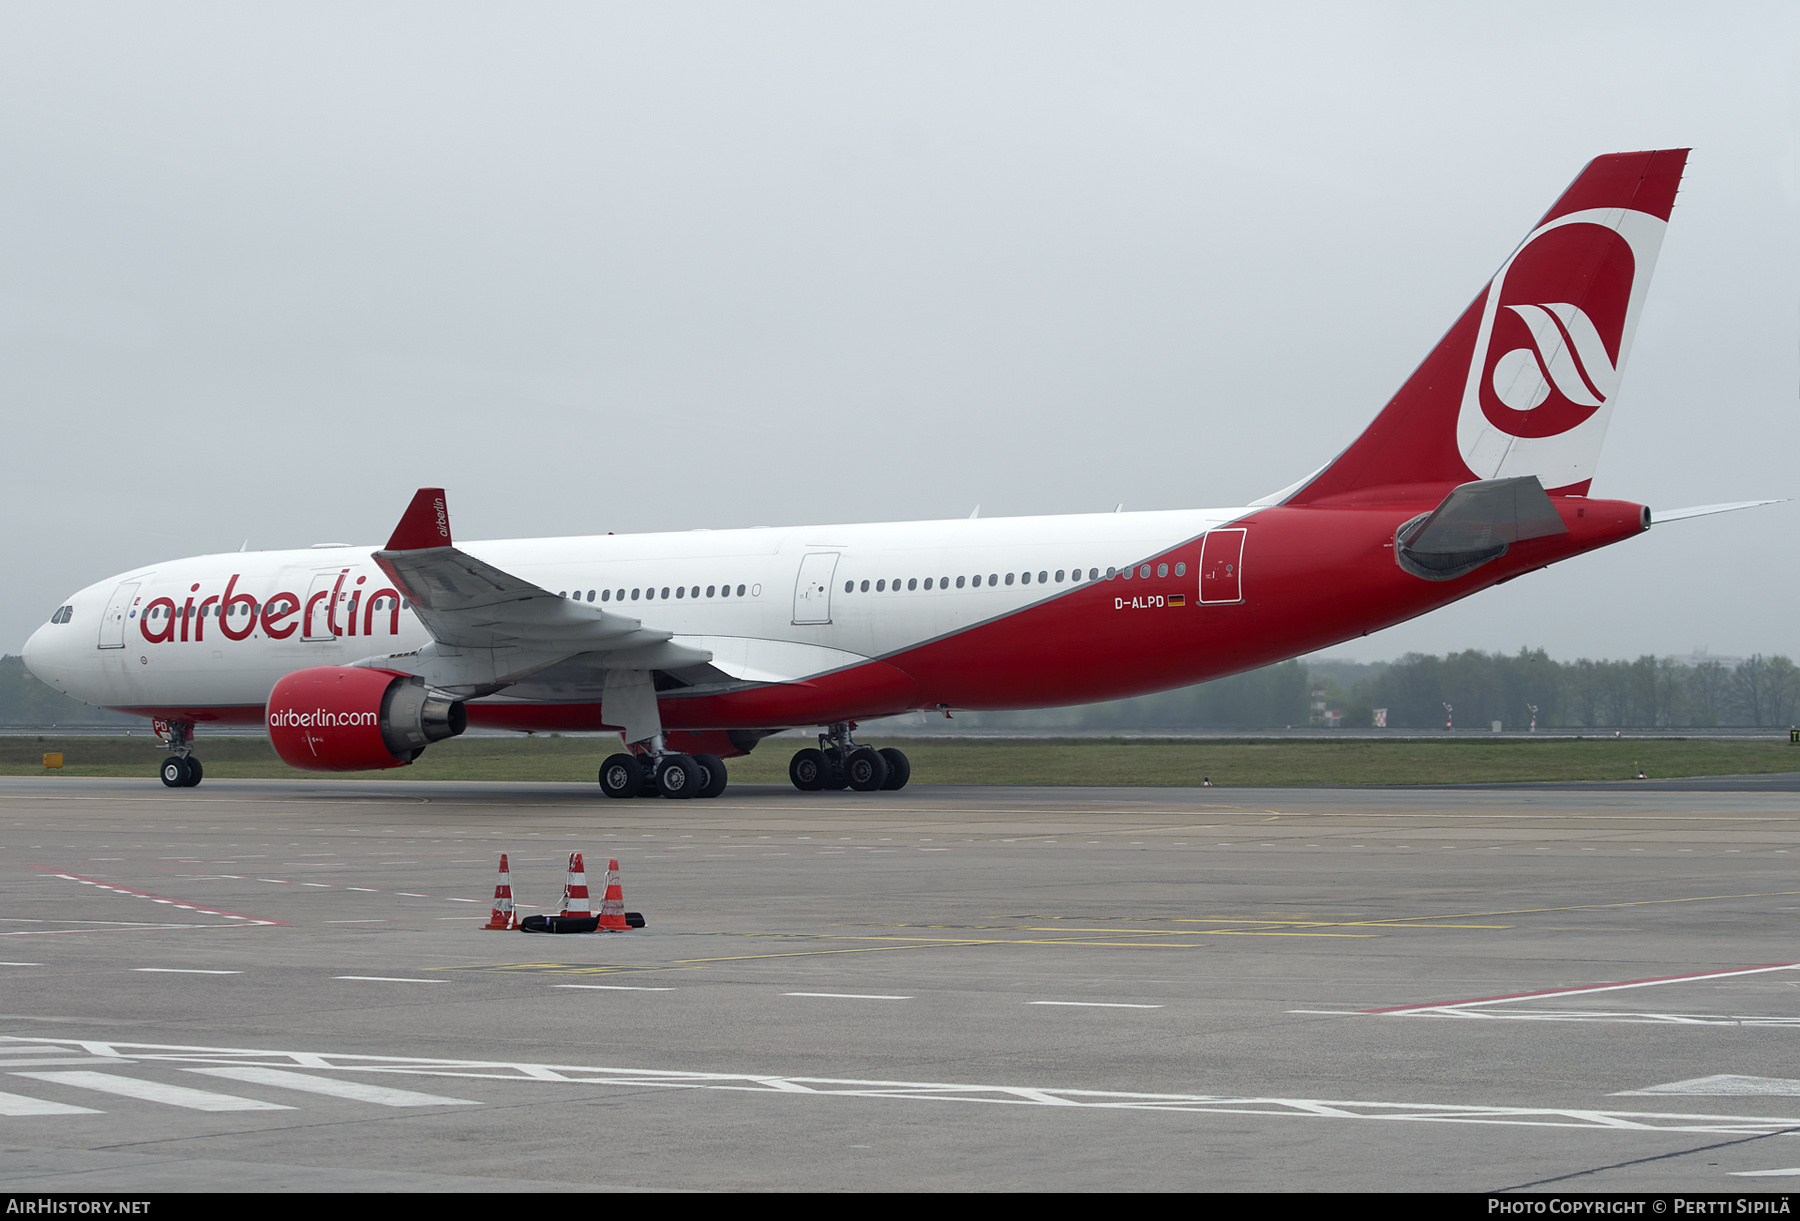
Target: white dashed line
{"x":184,"y":971}
{"x":389,"y":979}
{"x":622,"y":988}
{"x":850,"y":996}
{"x":1094,"y":1004}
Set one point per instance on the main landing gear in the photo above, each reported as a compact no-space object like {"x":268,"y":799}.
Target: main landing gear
{"x":839,"y":763}
{"x":181,"y":770}
{"x":650,"y":771}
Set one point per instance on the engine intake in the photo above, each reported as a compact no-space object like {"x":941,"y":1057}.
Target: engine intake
{"x":350,"y":718}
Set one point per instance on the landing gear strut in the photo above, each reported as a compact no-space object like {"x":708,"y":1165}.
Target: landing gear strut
{"x":649,"y":770}
{"x":181,"y":770}
{"x":840,"y":763}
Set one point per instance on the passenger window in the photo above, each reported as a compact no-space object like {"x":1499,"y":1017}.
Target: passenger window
{"x":1181,"y":570}
{"x":943,"y":582}
{"x":1059,"y":576}
{"x":865,"y":587}
{"x":1025,"y":578}
{"x":1162,"y":570}
{"x":994,"y":578}
{"x":665,"y":592}
{"x":606,"y":595}
{"x":849,"y":587}
{"x":1044,"y":576}
{"x":634,"y":595}
{"x":881,"y":587}
{"x":1094,"y":574}
{"x":1128,"y":573}
{"x":1144,"y":571}
{"x":927,"y":582}
{"x":563,"y":594}
{"x":1111,"y":572}
{"x":740,"y":592}
{"x":911,"y":584}
{"x":959,"y":582}
{"x":680,"y":591}
{"x":709,"y":590}
{"x":724,"y":591}
{"x":1009,"y":578}
{"x":694,"y":592}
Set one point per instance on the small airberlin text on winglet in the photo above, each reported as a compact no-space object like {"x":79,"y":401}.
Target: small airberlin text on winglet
{"x":426,"y":523}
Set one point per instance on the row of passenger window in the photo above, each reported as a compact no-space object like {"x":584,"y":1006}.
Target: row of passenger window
{"x":651,"y":594}
{"x":1024,"y":578}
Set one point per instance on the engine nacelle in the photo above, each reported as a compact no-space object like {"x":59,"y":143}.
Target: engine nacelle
{"x":349,"y":718}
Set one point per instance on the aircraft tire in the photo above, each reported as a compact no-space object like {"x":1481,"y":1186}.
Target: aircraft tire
{"x":196,"y":773}
{"x":807,"y":770}
{"x":899,"y":769}
{"x":865,"y":770}
{"x":174,"y":772}
{"x":714,"y":778}
{"x":621,"y":776}
{"x":679,"y":778}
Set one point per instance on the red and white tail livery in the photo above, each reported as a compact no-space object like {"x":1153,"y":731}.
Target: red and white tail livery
{"x":694,"y":646}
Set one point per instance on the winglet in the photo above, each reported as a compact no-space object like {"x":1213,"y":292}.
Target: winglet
{"x":426,"y":523}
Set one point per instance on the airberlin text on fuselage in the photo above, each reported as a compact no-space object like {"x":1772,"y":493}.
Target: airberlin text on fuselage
{"x":276,"y":616}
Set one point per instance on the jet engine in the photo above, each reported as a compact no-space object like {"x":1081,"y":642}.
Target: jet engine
{"x":349,"y":718}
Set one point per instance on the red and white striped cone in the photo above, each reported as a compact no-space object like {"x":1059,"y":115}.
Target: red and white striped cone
{"x":503,"y":917}
{"x":612,"y":903}
{"x":575,"y":891}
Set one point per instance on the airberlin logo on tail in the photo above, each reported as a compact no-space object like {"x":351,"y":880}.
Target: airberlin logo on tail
{"x":1556,"y":326}
{"x":1566,"y":352}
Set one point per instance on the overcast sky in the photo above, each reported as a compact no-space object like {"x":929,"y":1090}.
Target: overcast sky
{"x":266,"y":269}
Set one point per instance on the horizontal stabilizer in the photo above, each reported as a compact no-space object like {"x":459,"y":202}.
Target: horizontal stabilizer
{"x":1709,"y":510}
{"x":1476,"y":523}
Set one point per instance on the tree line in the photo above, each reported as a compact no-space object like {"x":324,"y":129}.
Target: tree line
{"x":1481,"y":688}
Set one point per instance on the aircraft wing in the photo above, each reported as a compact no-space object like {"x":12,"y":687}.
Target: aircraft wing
{"x":466,"y":603}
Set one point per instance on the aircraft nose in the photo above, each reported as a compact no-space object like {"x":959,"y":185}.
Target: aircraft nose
{"x":33,"y":652}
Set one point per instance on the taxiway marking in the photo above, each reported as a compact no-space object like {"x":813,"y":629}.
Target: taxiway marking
{"x":850,"y":996}
{"x":389,"y":979}
{"x":18,"y":1104}
{"x":561,"y":1075}
{"x":1508,"y":998}
{"x":155,"y":1091}
{"x":1095,"y":1004}
{"x":184,"y":971}
{"x":356,"y":1091}
{"x":249,"y":921}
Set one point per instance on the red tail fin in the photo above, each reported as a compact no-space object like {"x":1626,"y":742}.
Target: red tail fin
{"x":1523,"y":383}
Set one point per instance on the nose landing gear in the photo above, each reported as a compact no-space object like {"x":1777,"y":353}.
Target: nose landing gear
{"x":840,"y":763}
{"x":181,"y":770}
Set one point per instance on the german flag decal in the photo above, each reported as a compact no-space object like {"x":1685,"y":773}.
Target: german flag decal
{"x":1177,"y":599}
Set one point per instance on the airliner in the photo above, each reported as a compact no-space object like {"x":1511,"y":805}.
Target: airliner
{"x":695,"y":646}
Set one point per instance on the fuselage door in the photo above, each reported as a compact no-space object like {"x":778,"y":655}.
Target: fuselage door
{"x":812,"y":592}
{"x":1222,"y":567}
{"x":112,"y":625}
{"x":316,"y":611}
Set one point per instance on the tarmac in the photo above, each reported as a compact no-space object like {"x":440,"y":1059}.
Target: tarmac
{"x":284,"y":985}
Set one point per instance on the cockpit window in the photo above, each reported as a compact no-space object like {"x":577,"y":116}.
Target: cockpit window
{"x":63,"y":614}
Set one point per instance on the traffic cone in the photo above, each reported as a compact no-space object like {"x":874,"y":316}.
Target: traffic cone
{"x":503,"y":917}
{"x":575,"y":891}
{"x":612,"y":903}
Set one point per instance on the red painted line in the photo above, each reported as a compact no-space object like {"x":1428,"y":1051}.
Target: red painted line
{"x":142,"y":894}
{"x":1625,"y":983}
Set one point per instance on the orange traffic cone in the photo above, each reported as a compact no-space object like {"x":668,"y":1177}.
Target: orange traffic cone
{"x":575,"y":891}
{"x":503,"y":917}
{"x":612,"y":903}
